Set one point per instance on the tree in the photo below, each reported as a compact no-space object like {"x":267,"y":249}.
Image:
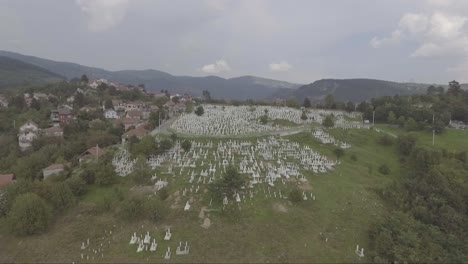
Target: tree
{"x":330,"y":102}
{"x":84,"y":78}
{"x":406,"y":144}
{"x":165,"y":145}
{"x":349,"y":107}
{"x":206,"y":95}
{"x":306,"y":103}
{"x":60,"y":196}
{"x":454,"y":88}
{"x":304,"y":115}
{"x":200,"y":111}
{"x":189,"y":107}
{"x":141,"y":172}
{"x":186,"y":145}
{"x":339,"y":152}
{"x":105,"y":174}
{"x":29,"y":215}
{"x":264,"y":119}
{"x":35,"y":104}
{"x":230,"y":183}
{"x":391,"y":118}
{"x":108,"y":104}
{"x":295,"y":195}
{"x":328,"y":121}
{"x":174,"y":137}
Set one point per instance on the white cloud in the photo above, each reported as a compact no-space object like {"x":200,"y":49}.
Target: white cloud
{"x":446,"y":26}
{"x":393,"y":39}
{"x":280,"y":67}
{"x":103,"y":14}
{"x":414,"y":23}
{"x":217,"y":67}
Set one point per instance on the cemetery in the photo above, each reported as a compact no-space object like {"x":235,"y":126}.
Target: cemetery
{"x":259,"y":222}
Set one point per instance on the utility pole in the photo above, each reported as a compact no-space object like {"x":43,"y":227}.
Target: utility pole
{"x":433,"y":129}
{"x":373,"y":118}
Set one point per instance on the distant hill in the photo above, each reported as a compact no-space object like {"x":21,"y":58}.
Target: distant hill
{"x":241,"y":88}
{"x":355,"y":90}
{"x":14,"y":73}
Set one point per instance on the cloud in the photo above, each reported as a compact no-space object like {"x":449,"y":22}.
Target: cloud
{"x":393,"y":39}
{"x":103,"y":14}
{"x":280,"y":67}
{"x":217,"y":67}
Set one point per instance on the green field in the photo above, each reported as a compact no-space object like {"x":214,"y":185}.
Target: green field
{"x":265,"y":230}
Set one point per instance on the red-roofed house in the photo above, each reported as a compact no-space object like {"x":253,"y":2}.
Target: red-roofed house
{"x":138,"y":132}
{"x":6,"y":179}
{"x":91,"y":153}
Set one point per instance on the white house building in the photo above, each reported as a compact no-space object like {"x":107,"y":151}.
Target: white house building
{"x":27,"y":133}
{"x":111,"y":114}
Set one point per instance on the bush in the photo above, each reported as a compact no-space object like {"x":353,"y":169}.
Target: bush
{"x":295,"y":196}
{"x":384,"y":169}
{"x":29,"y":215}
{"x":105,"y":174}
{"x":199,"y":111}
{"x":354,"y":157}
{"x":77,"y":185}
{"x":186,"y":145}
{"x":61,"y":197}
{"x":163,"y":194}
{"x":132,"y":208}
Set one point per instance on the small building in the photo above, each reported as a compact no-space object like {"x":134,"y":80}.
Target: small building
{"x":128,"y":123}
{"x":53,"y":169}
{"x":3,"y":101}
{"x":119,"y":105}
{"x":6,"y":179}
{"x":134,"y":114}
{"x":54,"y":131}
{"x":61,"y":116}
{"x":28,"y":132}
{"x":111,"y":114}
{"x":135,"y":106}
{"x":91,"y":154}
{"x":138,"y":132}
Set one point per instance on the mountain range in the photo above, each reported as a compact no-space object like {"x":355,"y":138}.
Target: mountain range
{"x":18,"y":69}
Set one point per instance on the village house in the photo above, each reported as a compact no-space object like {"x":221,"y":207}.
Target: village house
{"x":135,"y":106}
{"x":91,"y":154}
{"x":3,"y":101}
{"x":135,"y":114}
{"x":28,"y":132}
{"x":128,"y":122}
{"x":138,"y":132}
{"x":119,"y":105}
{"x":88,"y":109}
{"x":53,"y":169}
{"x":6,"y":179}
{"x":111,"y":114}
{"x":54,"y":131}
{"x":61,"y":116}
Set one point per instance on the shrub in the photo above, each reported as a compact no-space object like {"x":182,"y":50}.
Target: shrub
{"x":163,"y":194}
{"x":30,"y":214}
{"x":295,"y":195}
{"x":77,"y":185}
{"x":186,"y":145}
{"x":354,"y":157}
{"x":132,"y":208}
{"x":384,"y":169}
{"x":199,"y":111}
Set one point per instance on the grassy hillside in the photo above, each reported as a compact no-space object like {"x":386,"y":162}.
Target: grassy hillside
{"x":15,"y":73}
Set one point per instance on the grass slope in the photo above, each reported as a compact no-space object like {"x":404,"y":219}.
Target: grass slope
{"x":325,"y":230}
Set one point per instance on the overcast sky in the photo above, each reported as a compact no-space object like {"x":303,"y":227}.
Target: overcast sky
{"x":297,"y":41}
